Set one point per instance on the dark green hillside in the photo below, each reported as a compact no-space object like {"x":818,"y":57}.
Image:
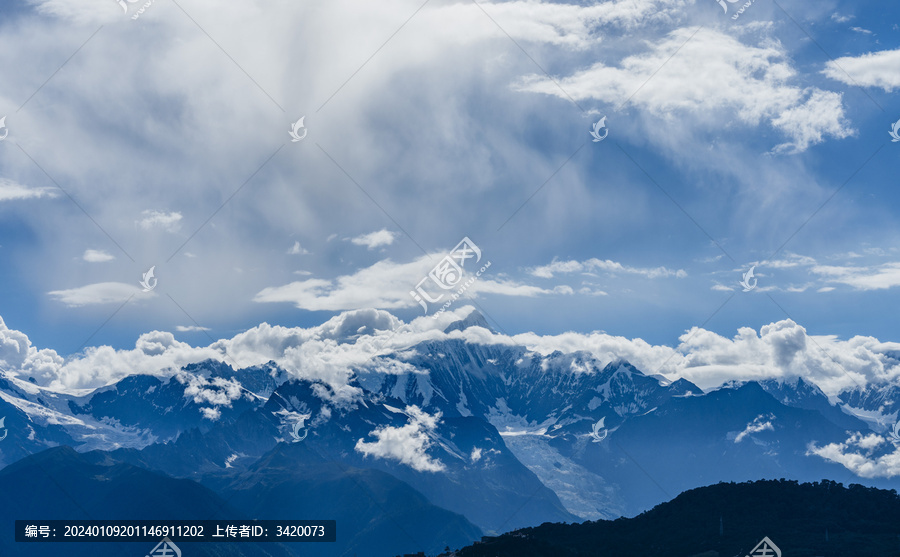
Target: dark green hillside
{"x":725,"y":520}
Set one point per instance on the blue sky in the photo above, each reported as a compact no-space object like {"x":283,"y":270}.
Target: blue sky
{"x":163,"y":141}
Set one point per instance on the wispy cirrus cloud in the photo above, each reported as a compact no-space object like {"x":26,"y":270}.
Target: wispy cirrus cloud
{"x":14,"y":191}
{"x":594,"y":265}
{"x":385,"y":285}
{"x":98,"y":293}
{"x":878,"y":277}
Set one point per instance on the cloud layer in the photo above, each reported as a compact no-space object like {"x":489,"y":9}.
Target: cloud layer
{"x":332,"y":351}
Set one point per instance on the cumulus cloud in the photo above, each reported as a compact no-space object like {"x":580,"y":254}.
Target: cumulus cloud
{"x":155,"y":353}
{"x":159,"y":219}
{"x":215,"y":392}
{"x":407,"y":444}
{"x":375,"y":239}
{"x":97,"y":256}
{"x":780,"y":350}
{"x":858,"y":454}
{"x":874,"y":69}
{"x":19,"y":356}
{"x":99,"y":293}
{"x":713,"y":74}
{"x":13,"y":191}
{"x":326,"y":353}
{"x":364,"y":342}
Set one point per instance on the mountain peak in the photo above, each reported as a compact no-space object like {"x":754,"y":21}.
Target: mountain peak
{"x":474,"y":319}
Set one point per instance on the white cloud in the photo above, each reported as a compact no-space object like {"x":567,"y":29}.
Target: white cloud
{"x":347,"y":343}
{"x":791,"y":260}
{"x":713,"y":77}
{"x":18,"y":355}
{"x":386,"y":285}
{"x":99,"y":293}
{"x":12,"y":191}
{"x":375,"y":239}
{"x":587,"y":291}
{"x":211,"y":413}
{"x":297,"y":249}
{"x":807,"y":122}
{"x":780,"y":350}
{"x":874,"y":69}
{"x":216,"y":392}
{"x":760,"y":423}
{"x":97,"y":256}
{"x":464,"y":58}
{"x":594,"y":264}
{"x":879,"y":277}
{"x":190,"y":328}
{"x":407,"y":444}
{"x":860,"y":30}
{"x":857,"y":455}
{"x":158,"y":219}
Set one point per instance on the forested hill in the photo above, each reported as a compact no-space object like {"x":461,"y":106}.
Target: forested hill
{"x":724,"y":520}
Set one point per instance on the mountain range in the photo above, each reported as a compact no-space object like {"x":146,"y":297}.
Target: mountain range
{"x":426,"y":447}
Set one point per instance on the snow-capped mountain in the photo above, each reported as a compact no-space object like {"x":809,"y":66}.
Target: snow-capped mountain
{"x":491,"y":431}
